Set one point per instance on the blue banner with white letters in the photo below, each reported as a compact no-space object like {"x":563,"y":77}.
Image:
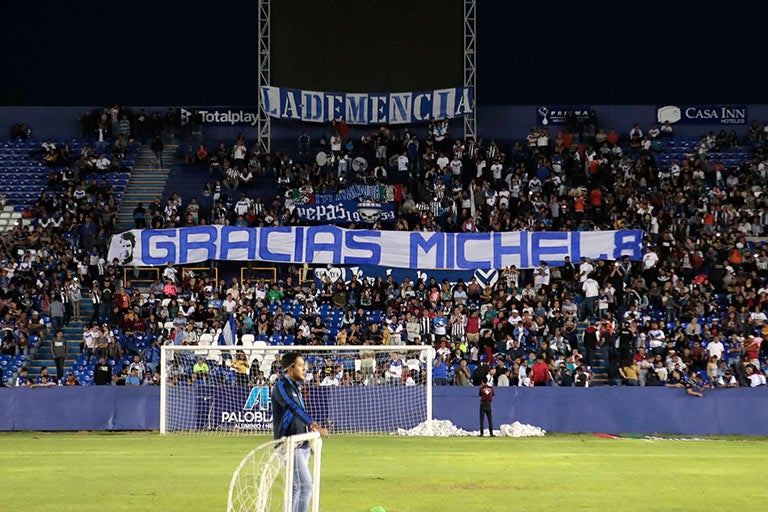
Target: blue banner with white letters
{"x":338,"y":246}
{"x":367,"y":108}
{"x":346,"y":211}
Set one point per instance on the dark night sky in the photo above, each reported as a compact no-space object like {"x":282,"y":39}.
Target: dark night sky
{"x":174,"y":53}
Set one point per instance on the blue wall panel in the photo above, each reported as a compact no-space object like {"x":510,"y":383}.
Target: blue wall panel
{"x":613,"y":409}
{"x":604,"y":409}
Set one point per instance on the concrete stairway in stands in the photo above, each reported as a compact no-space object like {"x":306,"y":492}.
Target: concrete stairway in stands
{"x":147,"y":180}
{"x":599,"y":371}
{"x":73,"y":333}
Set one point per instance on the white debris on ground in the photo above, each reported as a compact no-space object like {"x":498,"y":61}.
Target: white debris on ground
{"x":518,"y":429}
{"x":444,"y":428}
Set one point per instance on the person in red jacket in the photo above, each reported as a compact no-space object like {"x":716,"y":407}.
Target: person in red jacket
{"x":540,"y":372}
{"x":486,"y":398}
{"x":473,"y":326}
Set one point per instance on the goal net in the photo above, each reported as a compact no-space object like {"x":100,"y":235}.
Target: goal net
{"x":263,"y":481}
{"x":349,"y":389}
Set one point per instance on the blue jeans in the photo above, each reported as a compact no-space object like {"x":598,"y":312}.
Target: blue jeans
{"x":302,"y":479}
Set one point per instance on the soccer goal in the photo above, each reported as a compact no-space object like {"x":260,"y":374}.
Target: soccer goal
{"x":349,"y":389}
{"x":263,"y":481}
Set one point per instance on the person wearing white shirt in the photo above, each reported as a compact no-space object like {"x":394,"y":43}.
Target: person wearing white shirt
{"x":442,"y":161}
{"x":456,"y":166}
{"x":727,"y":380}
{"x":260,"y":292}
{"x":514,"y":317}
{"x":242,"y":206}
{"x":229,"y":305}
{"x":650,"y":258}
{"x":757,"y":316}
{"x":335,"y":143}
{"x":656,"y":338}
{"x":585,"y":269}
{"x":330,"y":380}
{"x":102,"y":163}
{"x":591,"y":290}
{"x":541,"y":276}
{"x":170,"y":273}
{"x":496,"y":171}
{"x":440,"y":324}
{"x":715,"y":348}
{"x":395,"y":369}
{"x":402,"y":162}
{"x":239,"y":151}
{"x":754,"y":377}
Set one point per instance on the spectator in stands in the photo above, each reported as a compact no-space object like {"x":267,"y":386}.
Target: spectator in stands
{"x":133,"y":378}
{"x":102,"y":372}
{"x":241,"y":367}
{"x":59,"y":353}
{"x":71,"y":380}
{"x":540,"y":375}
{"x":440,"y":371}
{"x":120,"y":377}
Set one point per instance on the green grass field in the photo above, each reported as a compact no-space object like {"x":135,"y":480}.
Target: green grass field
{"x":121,"y":472}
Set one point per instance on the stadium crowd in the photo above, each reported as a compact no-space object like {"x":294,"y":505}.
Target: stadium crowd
{"x":692,"y":313}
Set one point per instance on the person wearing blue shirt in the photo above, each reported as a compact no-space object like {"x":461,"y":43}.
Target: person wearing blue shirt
{"x":133,"y":378}
{"x":439,"y":324}
{"x":440,"y":371}
{"x":290,"y":417}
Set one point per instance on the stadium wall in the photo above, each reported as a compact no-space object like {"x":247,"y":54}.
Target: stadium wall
{"x":571,"y":410}
{"x":494,"y":122}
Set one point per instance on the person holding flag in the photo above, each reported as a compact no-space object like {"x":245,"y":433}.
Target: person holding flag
{"x":228,"y":335}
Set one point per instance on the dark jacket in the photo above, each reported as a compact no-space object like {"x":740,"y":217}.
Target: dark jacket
{"x":289,"y":416}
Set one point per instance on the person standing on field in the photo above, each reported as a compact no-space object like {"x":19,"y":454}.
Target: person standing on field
{"x":289,"y":418}
{"x":486,"y":399}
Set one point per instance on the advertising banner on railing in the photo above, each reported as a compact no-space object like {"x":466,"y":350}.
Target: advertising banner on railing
{"x":339,"y":246}
{"x":367,"y":108}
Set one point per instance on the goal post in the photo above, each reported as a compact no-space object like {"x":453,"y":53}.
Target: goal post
{"x":263,"y":481}
{"x":220,"y":390}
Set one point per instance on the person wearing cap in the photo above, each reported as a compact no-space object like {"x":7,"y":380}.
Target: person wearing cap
{"x":36,"y":324}
{"x":727,"y":380}
{"x":585,"y":269}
